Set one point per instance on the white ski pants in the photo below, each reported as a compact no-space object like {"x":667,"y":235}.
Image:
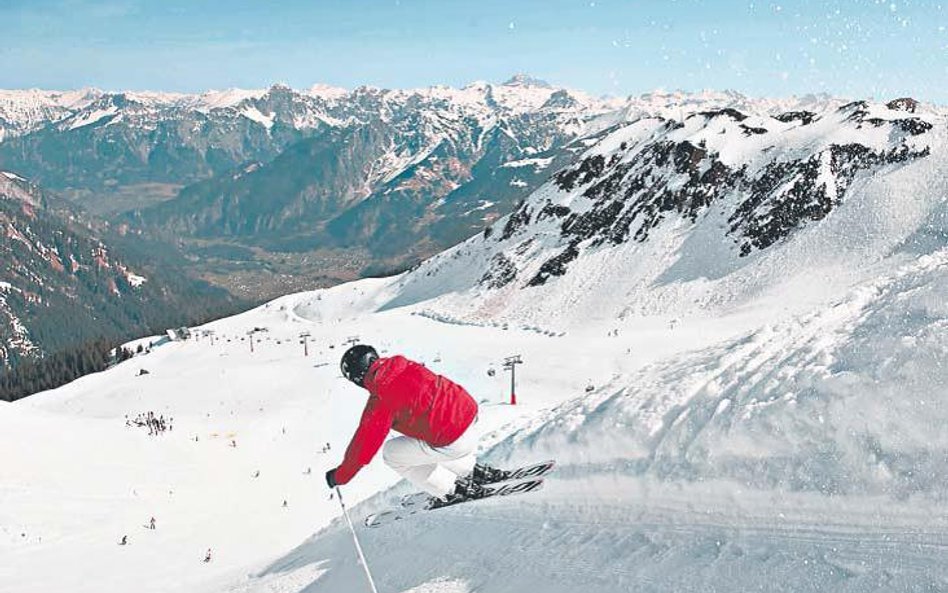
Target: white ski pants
{"x":433,"y":469}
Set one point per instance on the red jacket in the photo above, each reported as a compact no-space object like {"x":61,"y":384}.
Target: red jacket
{"x":406,"y":396}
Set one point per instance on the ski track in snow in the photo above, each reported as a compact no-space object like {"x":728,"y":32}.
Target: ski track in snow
{"x":622,"y":546}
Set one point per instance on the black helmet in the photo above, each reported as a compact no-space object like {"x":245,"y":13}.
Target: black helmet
{"x":356,"y":362}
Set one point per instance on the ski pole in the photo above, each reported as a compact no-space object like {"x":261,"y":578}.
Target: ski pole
{"x":356,"y":540}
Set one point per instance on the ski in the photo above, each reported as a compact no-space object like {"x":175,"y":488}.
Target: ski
{"x":490,"y":491}
{"x":527,"y":471}
{"x":535,"y":470}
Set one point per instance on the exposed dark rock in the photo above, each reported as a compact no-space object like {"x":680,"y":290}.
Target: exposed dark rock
{"x":523,"y":246}
{"x":555,"y":266}
{"x":751,"y":130}
{"x":854,"y":105}
{"x":858,"y":111}
{"x":500,"y":272}
{"x":765,"y":217}
{"x":903,"y":104}
{"x":554,"y":210}
{"x":769,"y":215}
{"x":610,"y":184}
{"x":728,"y":111}
{"x":588,"y":170}
{"x":519,"y":218}
{"x":560,"y":99}
{"x":912,"y":125}
{"x":687,"y":156}
{"x":804,"y":117}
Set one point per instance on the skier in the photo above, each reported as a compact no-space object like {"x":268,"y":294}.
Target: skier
{"x":207,"y":557}
{"x":124,"y":541}
{"x":436,"y":416}
{"x":151,"y":524}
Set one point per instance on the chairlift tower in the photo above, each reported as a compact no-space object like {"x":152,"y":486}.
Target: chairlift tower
{"x":510,"y":363}
{"x":305,"y":337}
{"x":250,"y":336}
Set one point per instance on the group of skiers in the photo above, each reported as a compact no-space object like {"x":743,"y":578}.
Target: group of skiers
{"x":156,"y":424}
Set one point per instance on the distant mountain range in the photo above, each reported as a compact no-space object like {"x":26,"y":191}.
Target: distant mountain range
{"x":264,"y":187}
{"x":364,"y":180}
{"x":270,"y":191}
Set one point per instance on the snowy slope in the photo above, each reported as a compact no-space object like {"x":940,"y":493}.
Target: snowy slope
{"x":809,"y":448}
{"x":203,"y":493}
{"x":660,"y":217}
{"x":767,"y":421}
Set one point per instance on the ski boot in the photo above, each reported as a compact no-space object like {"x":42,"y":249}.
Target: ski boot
{"x":464,"y":489}
{"x":485,"y":474}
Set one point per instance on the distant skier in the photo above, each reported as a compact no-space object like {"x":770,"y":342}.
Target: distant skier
{"x":436,"y":416}
{"x":124,"y":541}
{"x":151,"y":524}
{"x":207,"y":557}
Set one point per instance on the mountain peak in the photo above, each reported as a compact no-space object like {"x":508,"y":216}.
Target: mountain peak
{"x":326,"y":91}
{"x":525,"y":80}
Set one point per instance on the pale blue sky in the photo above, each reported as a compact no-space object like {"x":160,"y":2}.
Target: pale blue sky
{"x":855,"y":48}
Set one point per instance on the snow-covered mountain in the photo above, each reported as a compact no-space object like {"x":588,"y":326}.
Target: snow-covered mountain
{"x":660,"y":216}
{"x":732,"y":326}
{"x":22,"y":112}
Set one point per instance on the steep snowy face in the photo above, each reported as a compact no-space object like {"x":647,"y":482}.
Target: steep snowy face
{"x":721,"y":196}
{"x":683,"y":169}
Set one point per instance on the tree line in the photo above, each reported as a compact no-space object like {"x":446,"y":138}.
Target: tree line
{"x":59,"y":368}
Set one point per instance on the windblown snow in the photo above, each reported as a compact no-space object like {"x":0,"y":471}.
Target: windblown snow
{"x":772,"y":422}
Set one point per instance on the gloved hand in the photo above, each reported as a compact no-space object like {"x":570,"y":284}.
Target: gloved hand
{"x":331,"y":478}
